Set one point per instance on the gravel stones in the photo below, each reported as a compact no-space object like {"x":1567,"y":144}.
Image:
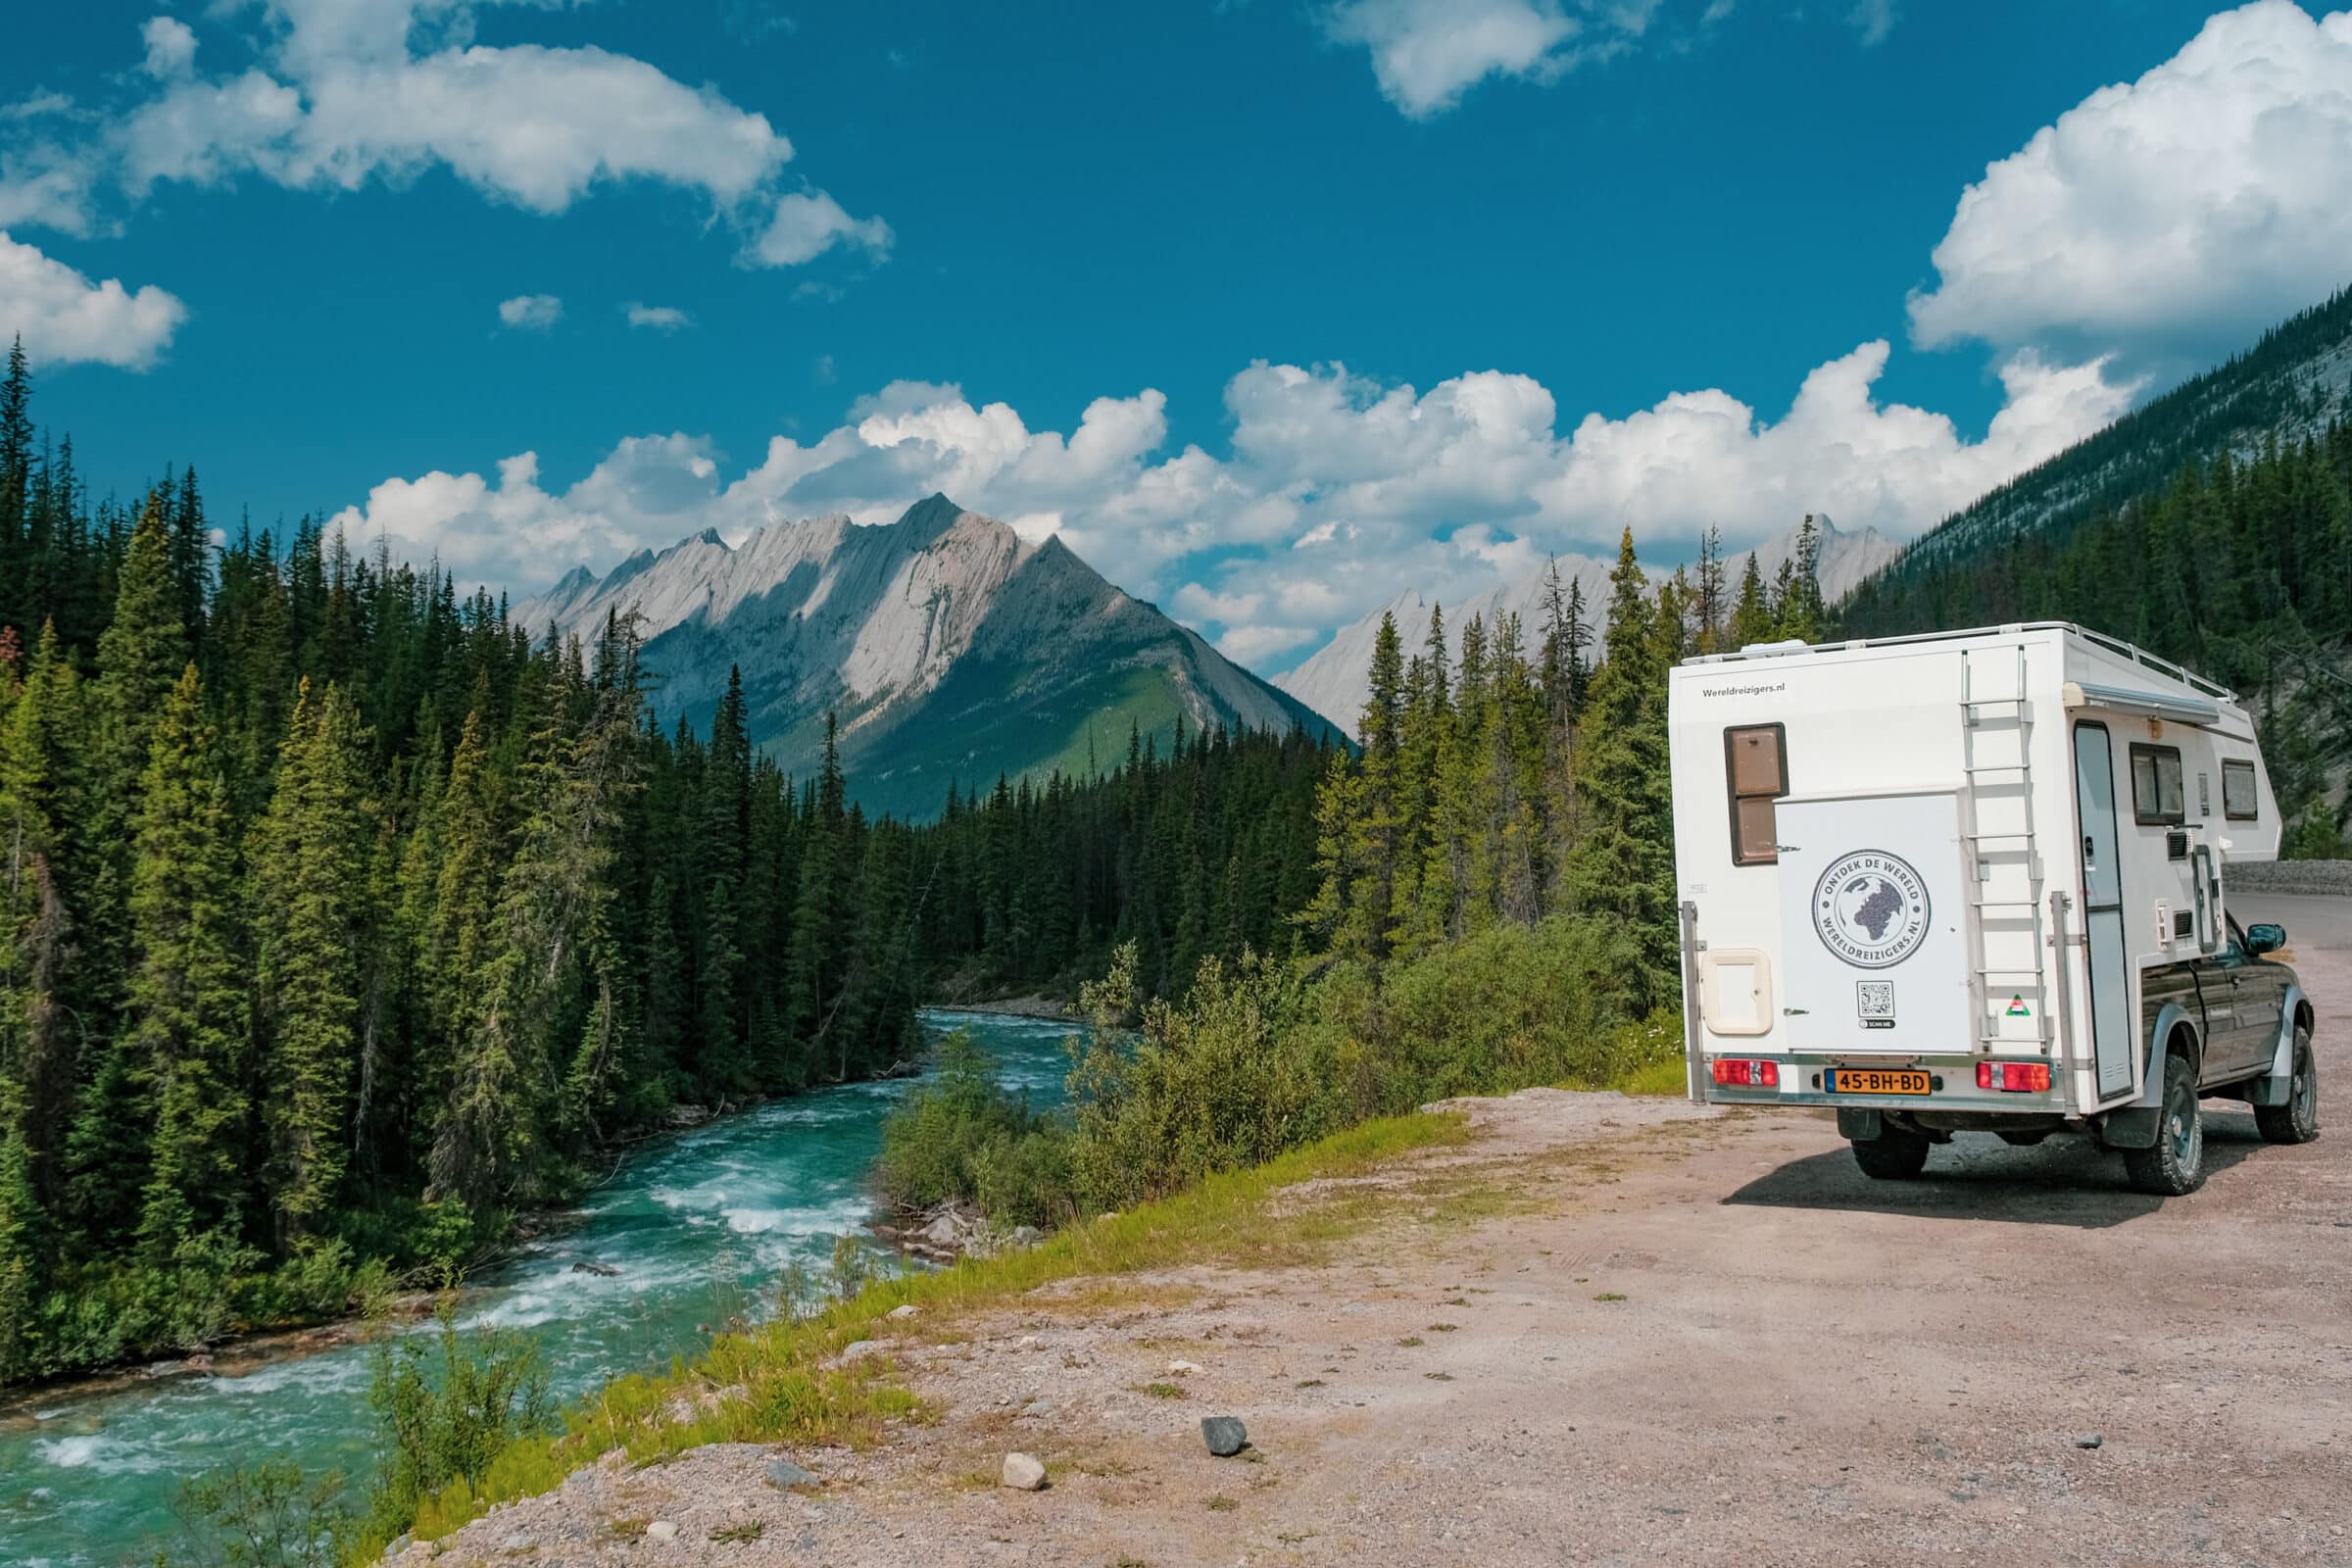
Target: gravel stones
{"x":1225,"y":1435}
{"x":1022,"y":1473}
{"x":783,"y":1473}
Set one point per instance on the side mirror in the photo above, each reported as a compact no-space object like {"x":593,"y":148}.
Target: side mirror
{"x":2266,"y":938}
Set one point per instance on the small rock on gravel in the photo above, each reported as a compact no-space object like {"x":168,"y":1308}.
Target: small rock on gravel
{"x":1177,"y":1369}
{"x":662,"y":1530}
{"x":853,"y":1354}
{"x":1225,"y":1435}
{"x":904,"y":1309}
{"x":517,"y":1542}
{"x":1022,"y":1473}
{"x":784,"y":1473}
{"x":2088,"y":1440}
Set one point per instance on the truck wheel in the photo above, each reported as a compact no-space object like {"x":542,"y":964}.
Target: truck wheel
{"x":2298,"y":1120}
{"x":1896,"y":1155}
{"x":2176,"y":1165}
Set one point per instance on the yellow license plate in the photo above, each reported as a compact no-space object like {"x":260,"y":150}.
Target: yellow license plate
{"x":1873,"y":1081}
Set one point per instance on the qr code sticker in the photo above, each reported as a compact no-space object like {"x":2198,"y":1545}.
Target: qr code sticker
{"x":1875,"y":998}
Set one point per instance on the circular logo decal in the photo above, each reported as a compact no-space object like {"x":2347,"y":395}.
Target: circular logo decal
{"x":1870,"y":909}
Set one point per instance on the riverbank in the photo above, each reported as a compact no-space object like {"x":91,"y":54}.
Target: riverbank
{"x":1033,"y":1005}
{"x":692,"y":1231}
{"x":249,"y":1348}
{"x":1554,"y":1337}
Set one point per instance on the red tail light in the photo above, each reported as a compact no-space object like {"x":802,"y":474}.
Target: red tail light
{"x":1737,"y":1073}
{"x":2015,"y":1077}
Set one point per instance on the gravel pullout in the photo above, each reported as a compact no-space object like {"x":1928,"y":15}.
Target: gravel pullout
{"x":1679,"y":1338}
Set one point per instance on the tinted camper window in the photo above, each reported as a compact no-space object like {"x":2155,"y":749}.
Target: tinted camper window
{"x":2242,"y":802}
{"x":2156,"y":785}
{"x":1755,"y":773}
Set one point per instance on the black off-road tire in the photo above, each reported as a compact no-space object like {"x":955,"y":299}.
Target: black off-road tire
{"x":2175,"y":1167}
{"x":2298,"y":1120}
{"x":1896,"y":1155}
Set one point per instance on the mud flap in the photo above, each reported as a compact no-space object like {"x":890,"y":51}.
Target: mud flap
{"x":2278,"y":1086}
{"x":2132,"y":1127}
{"x":1859,"y":1124}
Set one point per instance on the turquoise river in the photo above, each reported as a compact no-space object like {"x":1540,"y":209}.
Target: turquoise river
{"x":694,"y":1226}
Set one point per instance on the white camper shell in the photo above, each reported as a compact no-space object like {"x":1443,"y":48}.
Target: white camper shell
{"x":1972,"y":880}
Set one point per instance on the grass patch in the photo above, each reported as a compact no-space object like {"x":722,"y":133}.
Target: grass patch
{"x":1312,"y":1383}
{"x":1664,"y":1078}
{"x":739,"y":1535}
{"x":1411,"y":1341}
{"x":1162,"y":1390}
{"x":1444,"y":1328}
{"x":1609,"y":1296}
{"x":782,"y":1376}
{"x":1221,"y":1503}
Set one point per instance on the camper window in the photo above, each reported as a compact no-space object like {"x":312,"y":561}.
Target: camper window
{"x":2156,"y":786}
{"x":1755,"y":772}
{"x":2240,"y":801}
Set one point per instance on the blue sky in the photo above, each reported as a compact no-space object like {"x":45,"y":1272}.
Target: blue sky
{"x":1271,"y":307}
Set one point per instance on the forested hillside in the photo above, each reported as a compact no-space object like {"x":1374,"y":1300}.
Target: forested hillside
{"x":339,"y":920}
{"x":2239,"y":567}
{"x":2293,"y":385}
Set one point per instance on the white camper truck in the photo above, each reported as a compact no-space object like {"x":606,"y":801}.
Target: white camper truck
{"x":1976,"y":881}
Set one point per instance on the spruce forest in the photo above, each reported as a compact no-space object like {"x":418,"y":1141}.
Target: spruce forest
{"x":2239,"y":567}
{"x":340,"y":922}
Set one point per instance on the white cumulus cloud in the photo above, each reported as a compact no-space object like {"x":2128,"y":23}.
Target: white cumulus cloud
{"x":1427,"y":53}
{"x":805,"y":224}
{"x":1333,"y":490}
{"x":661,"y":318}
{"x":346,"y":93}
{"x":170,"y":47}
{"x":63,"y":317}
{"x":2182,"y":212}
{"x":531,"y":313}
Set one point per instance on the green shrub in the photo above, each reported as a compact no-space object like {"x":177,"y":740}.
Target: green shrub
{"x":1233,"y":1074}
{"x":446,"y":1403}
{"x":269,"y":1516}
{"x":962,"y":1137}
{"x":1503,"y":1008}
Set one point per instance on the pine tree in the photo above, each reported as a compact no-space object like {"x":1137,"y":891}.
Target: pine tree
{"x":1710,"y":601}
{"x":143,"y":649}
{"x":42,"y":749}
{"x":1622,"y":863}
{"x":16,"y":488}
{"x":185,"y":1024}
{"x":1752,"y":614}
{"x":311,"y":873}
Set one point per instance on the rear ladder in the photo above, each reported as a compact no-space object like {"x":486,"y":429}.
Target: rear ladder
{"x":2005,"y":858}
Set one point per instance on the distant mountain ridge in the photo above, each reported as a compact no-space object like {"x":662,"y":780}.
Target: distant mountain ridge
{"x":2294,"y":383}
{"x":1335,"y":681}
{"x":952,"y":649}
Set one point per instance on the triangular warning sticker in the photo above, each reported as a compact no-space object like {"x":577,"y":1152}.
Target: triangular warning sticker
{"x":2017,"y":1008}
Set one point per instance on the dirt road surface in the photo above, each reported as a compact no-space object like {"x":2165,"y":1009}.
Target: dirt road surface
{"x":1685,"y":1339}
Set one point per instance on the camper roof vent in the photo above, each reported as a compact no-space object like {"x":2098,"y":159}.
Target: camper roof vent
{"x":1786,"y":645}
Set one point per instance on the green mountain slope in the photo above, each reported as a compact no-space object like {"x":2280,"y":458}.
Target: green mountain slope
{"x":951,"y":650}
{"x":2291,"y":386}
